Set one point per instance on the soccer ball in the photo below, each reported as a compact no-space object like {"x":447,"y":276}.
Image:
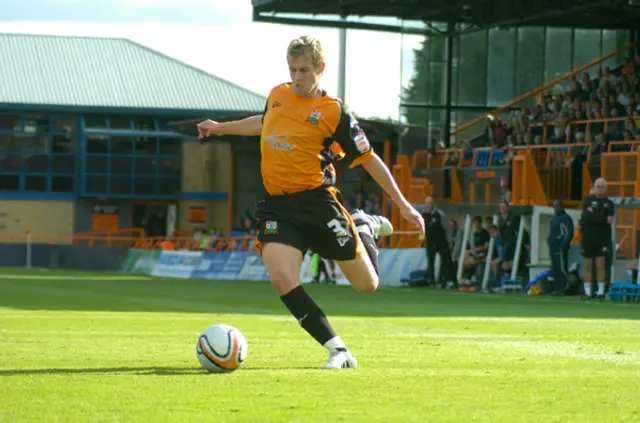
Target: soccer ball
{"x":221,"y":348}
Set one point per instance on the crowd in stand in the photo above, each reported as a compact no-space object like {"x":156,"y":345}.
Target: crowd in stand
{"x":604,"y":96}
{"x":565,"y":112}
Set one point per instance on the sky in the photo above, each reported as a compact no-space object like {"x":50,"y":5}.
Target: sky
{"x":220,"y":37}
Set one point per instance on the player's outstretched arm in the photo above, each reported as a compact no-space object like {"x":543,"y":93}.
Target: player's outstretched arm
{"x":380,"y":173}
{"x":249,"y":126}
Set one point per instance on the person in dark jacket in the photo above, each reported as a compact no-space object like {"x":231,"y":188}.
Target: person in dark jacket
{"x":596,"y":220}
{"x":509,"y":225}
{"x":437,"y":242}
{"x":561,"y":233}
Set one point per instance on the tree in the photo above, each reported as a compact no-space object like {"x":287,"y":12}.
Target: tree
{"x":426,"y":84}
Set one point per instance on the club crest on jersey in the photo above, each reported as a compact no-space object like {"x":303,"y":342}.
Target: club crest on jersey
{"x":362,"y":143}
{"x":314,"y":117}
{"x":270,"y":227}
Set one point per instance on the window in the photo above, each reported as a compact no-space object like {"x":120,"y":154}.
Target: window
{"x":145,"y":186}
{"x":36,"y":153}
{"x":96,"y":184}
{"x":133,"y":165}
{"x":9,"y":123}
{"x":64,"y":144}
{"x":63,"y":163}
{"x":10,"y":162}
{"x":97,"y":144}
{"x":120,"y":185}
{"x":9,"y":182}
{"x":146,"y":165}
{"x":95,"y":122}
{"x":501,"y":73}
{"x":146,"y":145}
{"x":35,"y":183}
{"x":144,"y":124}
{"x":62,"y":184}
{"x":170,"y":166}
{"x":530,"y":67}
{"x":97,"y":163}
{"x":64,"y":124}
{"x":35,"y":124}
{"x":36,"y":163}
{"x":119,"y":122}
{"x":170,"y":186}
{"x":558,"y":54}
{"x":36,"y":143}
{"x":587,"y":47}
{"x":472,"y":76}
{"x":10,"y":143}
{"x":121,"y":165}
{"x":170,"y":146}
{"x":121,"y":145}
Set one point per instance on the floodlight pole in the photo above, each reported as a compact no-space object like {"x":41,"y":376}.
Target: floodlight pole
{"x":448,"y":82}
{"x":342,"y":66}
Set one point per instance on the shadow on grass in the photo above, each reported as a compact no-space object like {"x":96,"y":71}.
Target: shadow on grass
{"x":157,"y":371}
{"x":82,"y":293}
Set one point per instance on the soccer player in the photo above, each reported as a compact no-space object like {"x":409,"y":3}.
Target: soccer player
{"x":303,"y":209}
{"x":596,"y":220}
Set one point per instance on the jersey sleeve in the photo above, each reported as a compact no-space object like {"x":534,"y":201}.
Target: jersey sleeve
{"x":352,"y":139}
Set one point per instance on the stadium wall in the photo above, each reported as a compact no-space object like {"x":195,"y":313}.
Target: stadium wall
{"x":38,"y":216}
{"x":77,"y":257}
{"x":395,"y":265}
{"x":84,"y":210}
{"x":206,"y":169}
{"x":217,"y":213}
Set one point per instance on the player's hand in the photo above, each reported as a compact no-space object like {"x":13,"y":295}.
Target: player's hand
{"x":207,"y":128}
{"x":610,"y":220}
{"x":413,"y":216}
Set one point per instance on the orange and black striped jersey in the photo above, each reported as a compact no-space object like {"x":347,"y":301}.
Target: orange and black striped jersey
{"x":302,"y":137}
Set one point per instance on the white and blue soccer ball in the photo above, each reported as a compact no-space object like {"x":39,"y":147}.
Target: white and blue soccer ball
{"x":221,"y":348}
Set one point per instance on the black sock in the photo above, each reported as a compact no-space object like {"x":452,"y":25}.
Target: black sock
{"x":372,"y":249}
{"x":311,"y":317}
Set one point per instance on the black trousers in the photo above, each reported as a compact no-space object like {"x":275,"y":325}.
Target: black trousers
{"x":447,"y":268}
{"x":559,"y":269}
{"x":322,"y":270}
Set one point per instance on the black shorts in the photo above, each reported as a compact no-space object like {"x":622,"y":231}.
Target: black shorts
{"x":591,"y":248}
{"x":314,"y":219}
{"x":509,"y":252}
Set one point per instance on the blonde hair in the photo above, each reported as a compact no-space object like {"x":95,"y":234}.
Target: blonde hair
{"x":309,"y":47}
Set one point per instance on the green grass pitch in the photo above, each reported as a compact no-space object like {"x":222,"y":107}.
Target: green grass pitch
{"x":88,"y":347}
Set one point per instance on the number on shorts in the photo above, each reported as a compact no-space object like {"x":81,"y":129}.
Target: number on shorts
{"x":337,"y":227}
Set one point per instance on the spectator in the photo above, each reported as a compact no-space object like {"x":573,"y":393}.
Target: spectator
{"x":628,"y":68}
{"x":597,"y":216}
{"x":476,"y":252}
{"x":487,"y":222}
{"x":495,"y":273}
{"x":559,"y":240}
{"x":607,"y":78}
{"x":437,"y":243}
{"x":509,"y":225}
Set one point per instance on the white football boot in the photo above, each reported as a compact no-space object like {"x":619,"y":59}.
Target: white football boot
{"x":340,"y":360}
{"x":380,"y":225}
